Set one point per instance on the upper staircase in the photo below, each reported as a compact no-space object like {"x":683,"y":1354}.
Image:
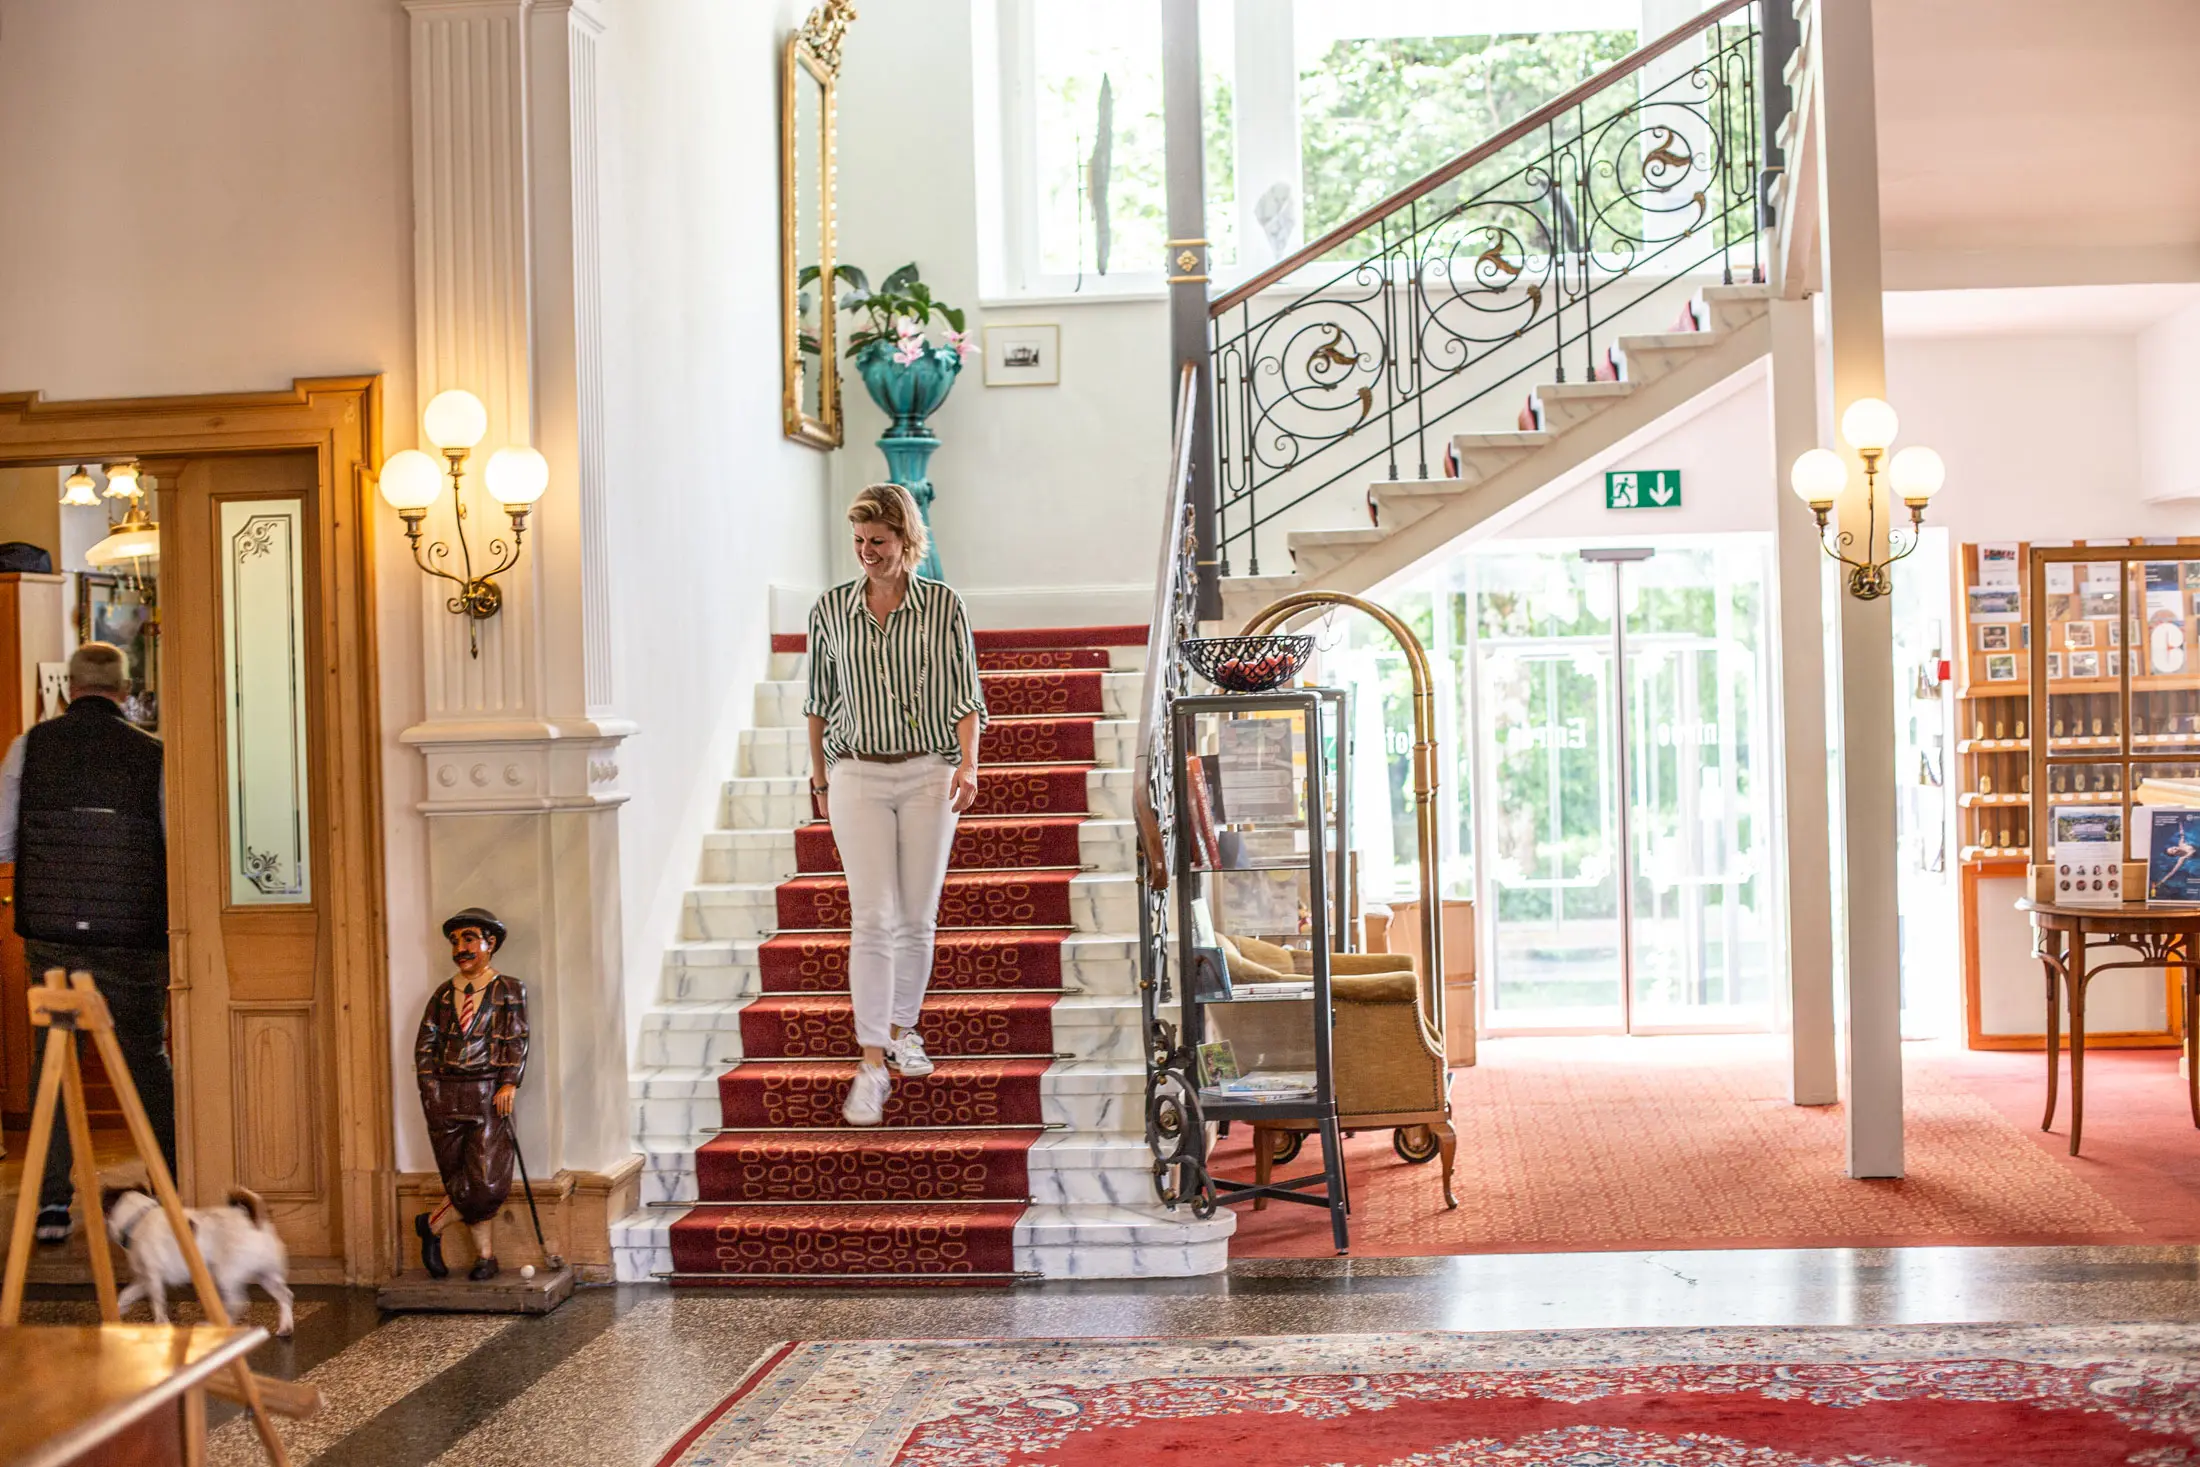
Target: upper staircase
{"x":1498,"y":324}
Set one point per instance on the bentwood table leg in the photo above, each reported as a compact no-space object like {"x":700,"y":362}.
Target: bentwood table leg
{"x":2052,"y":961}
{"x":2078,"y":981}
{"x":2192,"y":1023}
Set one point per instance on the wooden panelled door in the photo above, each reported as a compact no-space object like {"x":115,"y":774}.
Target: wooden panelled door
{"x":244,"y":684}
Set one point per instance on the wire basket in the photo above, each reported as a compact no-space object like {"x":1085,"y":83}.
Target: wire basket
{"x":1248,"y":664}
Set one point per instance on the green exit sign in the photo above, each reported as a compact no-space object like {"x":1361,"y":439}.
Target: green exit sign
{"x":1643,"y":489}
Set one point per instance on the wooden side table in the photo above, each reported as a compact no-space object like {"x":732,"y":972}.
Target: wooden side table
{"x":2163,"y":937}
{"x":74,"y":1396}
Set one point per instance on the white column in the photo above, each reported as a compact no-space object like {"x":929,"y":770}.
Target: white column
{"x":1856,"y":347}
{"x":1800,"y":565}
{"x":521,"y":742}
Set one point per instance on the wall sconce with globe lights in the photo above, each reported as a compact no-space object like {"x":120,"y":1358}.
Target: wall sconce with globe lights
{"x":411,"y":482}
{"x":1820,"y":475}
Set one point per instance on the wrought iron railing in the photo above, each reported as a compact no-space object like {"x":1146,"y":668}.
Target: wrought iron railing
{"x":1171,"y":1095}
{"x":1522,"y":251}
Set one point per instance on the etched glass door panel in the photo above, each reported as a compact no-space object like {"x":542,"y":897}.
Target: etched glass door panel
{"x":263,"y":660}
{"x":1553,"y":863}
{"x":1702,"y":931}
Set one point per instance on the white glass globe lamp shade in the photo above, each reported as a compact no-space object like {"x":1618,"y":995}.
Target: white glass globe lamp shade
{"x":80,"y":490}
{"x":517,"y":477}
{"x":455,"y":420}
{"x":122,"y":482}
{"x":1818,"y":477}
{"x":136,"y":542}
{"x":1869,"y":425}
{"x":410,"y":481}
{"x":1917,"y":474}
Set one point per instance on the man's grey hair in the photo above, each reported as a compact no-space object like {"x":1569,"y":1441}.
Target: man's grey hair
{"x":99,"y":667}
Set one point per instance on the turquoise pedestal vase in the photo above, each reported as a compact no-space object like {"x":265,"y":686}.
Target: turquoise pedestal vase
{"x":909,"y":393}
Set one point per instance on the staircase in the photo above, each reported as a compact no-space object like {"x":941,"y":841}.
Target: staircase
{"x":1574,"y":423}
{"x":1024,"y":1155}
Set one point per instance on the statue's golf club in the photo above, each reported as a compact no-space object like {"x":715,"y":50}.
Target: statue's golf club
{"x":528,"y":1187}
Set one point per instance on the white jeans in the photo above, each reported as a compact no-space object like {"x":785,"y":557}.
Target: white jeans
{"x":894,"y":827}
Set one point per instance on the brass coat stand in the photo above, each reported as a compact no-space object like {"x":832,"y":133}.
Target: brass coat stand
{"x":72,"y":1006}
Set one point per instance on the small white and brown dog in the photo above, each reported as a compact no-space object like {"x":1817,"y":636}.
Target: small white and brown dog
{"x":239,"y":1243}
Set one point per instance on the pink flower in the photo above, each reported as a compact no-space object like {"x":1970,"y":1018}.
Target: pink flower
{"x":960,"y":340}
{"x":909,"y":349}
{"x":904,"y":327}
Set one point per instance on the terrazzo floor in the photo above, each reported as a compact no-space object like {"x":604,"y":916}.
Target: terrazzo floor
{"x":614,"y":1375}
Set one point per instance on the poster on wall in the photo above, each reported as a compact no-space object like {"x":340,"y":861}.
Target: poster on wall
{"x":1994,"y":604}
{"x":1997,"y":565}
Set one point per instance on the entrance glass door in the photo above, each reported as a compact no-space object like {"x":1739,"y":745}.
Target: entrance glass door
{"x":1624,"y":752}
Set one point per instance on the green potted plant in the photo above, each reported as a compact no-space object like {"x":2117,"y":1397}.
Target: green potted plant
{"x":905,"y":372}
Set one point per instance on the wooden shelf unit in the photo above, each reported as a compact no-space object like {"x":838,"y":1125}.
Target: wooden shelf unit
{"x":1996,"y":725}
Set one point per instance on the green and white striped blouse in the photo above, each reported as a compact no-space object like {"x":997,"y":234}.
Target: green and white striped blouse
{"x":893,"y":689}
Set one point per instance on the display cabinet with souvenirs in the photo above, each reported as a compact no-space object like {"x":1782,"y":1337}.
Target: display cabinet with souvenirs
{"x":2078,"y":680}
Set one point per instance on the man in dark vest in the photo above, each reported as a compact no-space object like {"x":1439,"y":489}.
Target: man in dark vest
{"x":82,"y":817}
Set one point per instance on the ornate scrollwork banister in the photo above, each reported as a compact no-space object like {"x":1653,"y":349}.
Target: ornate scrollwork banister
{"x":1172,"y":1088}
{"x":1528,"y":249}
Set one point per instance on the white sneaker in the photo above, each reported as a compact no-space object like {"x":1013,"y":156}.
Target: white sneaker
{"x":907,"y":1055}
{"x":867,"y":1094}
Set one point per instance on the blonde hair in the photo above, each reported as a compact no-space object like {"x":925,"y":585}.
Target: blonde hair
{"x":895,"y":508}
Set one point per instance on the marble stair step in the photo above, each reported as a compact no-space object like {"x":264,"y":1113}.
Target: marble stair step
{"x":1097,"y":902}
{"x":769,"y":855}
{"x":1064,"y":1168}
{"x":795,"y":666}
{"x":786,"y":750}
{"x":779,"y":703}
{"x":1076,"y":1240}
{"x":783,"y":802}
{"x":726,"y":971}
{"x":1086,"y":1097}
{"x":698,"y":1036}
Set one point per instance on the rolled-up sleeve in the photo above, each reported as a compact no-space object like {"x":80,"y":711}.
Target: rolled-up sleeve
{"x":962,"y":681}
{"x":824,"y":694}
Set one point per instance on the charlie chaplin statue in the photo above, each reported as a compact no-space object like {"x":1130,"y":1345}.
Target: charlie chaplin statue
{"x":469,"y":1057}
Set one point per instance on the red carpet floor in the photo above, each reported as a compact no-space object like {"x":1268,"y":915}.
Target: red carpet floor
{"x":1947,"y":1396}
{"x":934,"y":1194}
{"x":1569,"y":1145}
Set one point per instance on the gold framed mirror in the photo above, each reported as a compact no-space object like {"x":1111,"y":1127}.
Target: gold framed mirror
{"x":810,"y":394}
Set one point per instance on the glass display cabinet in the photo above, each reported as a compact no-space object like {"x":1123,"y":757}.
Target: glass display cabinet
{"x":1261,"y":868}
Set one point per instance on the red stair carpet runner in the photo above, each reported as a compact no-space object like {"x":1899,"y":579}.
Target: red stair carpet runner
{"x":933,"y":1194}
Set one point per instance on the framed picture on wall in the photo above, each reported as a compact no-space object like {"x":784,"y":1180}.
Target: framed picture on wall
{"x":1023,"y":356}
{"x":2085,"y":665}
{"x":2078,"y":634}
{"x":125,"y":614}
{"x":2054,"y":666}
{"x":1993,"y":637}
{"x":2001,"y":667}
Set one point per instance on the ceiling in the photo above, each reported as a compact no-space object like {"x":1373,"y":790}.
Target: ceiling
{"x":2037,"y":124}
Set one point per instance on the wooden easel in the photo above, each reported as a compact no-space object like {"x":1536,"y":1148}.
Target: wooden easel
{"x":74,"y":1006}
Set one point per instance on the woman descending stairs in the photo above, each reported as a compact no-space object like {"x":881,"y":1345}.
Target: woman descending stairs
{"x":1023,"y":1153}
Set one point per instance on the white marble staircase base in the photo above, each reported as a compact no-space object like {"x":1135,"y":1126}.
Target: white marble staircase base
{"x":1078,"y":1241}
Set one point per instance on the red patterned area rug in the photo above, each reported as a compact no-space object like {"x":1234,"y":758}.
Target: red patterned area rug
{"x":1934,"y":1396}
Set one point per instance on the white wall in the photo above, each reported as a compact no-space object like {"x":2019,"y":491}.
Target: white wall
{"x":2168,"y":372}
{"x":711,"y":504}
{"x":213,"y":199}
{"x":1049,"y":497}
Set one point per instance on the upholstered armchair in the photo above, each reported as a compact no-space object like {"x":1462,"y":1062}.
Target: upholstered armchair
{"x":1387,"y":1073}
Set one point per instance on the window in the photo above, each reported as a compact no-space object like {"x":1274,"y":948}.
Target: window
{"x":1313,"y":110}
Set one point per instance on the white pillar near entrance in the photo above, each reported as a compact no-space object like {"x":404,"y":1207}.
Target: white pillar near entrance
{"x":522,"y":742}
{"x":1855,"y":345}
{"x":1814,"y":1076}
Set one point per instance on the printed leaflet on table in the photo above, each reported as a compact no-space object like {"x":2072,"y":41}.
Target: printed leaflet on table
{"x":2087,"y":848}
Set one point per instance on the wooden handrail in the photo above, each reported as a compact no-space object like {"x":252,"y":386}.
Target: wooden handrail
{"x":1429,"y":183}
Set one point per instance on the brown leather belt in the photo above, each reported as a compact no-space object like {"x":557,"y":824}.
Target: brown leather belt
{"x":887,"y":758}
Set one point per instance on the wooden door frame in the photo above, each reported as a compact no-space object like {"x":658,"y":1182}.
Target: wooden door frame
{"x":338,"y":419}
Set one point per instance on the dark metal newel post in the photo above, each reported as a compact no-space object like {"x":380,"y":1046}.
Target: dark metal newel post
{"x":1183,"y":137}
